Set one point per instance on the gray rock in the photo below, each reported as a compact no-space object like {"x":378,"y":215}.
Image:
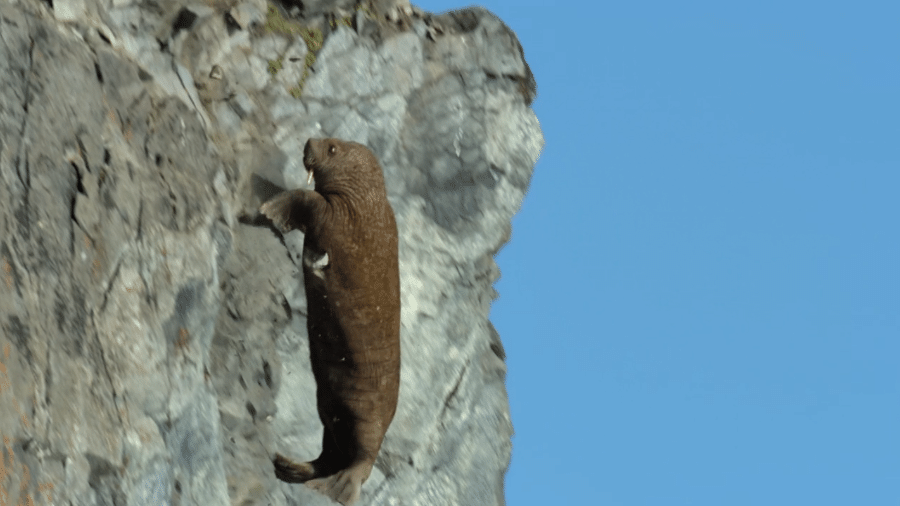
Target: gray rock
{"x":292,"y":65}
{"x":69,"y":10}
{"x":249,"y":13}
{"x":153,"y":337}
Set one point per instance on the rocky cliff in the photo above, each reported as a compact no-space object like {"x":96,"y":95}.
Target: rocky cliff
{"x":153,"y":346}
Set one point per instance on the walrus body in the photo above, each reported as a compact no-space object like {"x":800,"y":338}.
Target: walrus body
{"x":352,"y":285}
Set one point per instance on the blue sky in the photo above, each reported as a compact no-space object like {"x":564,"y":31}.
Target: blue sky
{"x":701,"y":299}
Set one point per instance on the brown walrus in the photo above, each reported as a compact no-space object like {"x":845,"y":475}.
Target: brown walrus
{"x":352,"y":283}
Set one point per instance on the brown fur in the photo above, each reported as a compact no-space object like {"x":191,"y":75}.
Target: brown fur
{"x":353,"y":296}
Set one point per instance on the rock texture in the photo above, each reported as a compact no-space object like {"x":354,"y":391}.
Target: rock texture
{"x":153,"y":346}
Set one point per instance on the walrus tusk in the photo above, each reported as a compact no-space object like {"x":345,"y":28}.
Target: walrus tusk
{"x":309,"y":177}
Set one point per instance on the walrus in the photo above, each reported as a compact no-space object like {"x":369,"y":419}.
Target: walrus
{"x":352,"y":282}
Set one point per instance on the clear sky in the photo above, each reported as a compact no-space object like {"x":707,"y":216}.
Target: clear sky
{"x":701,"y":300}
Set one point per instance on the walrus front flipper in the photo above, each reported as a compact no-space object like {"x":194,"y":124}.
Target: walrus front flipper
{"x":263,"y":188}
{"x":292,"y":210}
{"x":292,"y":472}
{"x":343,"y":486}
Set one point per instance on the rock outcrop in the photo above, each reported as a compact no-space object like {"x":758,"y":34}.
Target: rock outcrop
{"x":153,"y":346}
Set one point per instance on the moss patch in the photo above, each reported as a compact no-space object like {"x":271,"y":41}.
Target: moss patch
{"x":275,"y":65}
{"x":312,"y":37}
{"x":346,"y":21}
{"x":275,"y":23}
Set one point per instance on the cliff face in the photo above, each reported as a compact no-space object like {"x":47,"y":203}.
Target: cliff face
{"x":153,"y":346}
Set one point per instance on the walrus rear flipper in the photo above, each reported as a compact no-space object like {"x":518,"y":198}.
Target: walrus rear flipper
{"x":343,"y":486}
{"x":291,"y":472}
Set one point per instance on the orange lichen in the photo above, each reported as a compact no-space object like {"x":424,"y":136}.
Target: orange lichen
{"x":183,"y":337}
{"x":7,"y":273}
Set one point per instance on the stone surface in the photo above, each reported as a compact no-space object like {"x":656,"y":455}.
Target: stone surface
{"x":153,"y":346}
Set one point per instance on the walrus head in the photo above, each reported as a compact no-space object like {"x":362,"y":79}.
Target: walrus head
{"x":337,"y":165}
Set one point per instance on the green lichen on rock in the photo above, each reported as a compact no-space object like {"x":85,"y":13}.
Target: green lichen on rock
{"x":312,"y":37}
{"x":346,"y":21}
{"x":275,"y":65}
{"x":310,"y":60}
{"x":365,"y":10}
{"x":300,"y":84}
{"x":275,"y":22}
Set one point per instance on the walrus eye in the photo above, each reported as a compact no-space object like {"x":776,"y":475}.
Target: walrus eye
{"x":331,"y":150}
